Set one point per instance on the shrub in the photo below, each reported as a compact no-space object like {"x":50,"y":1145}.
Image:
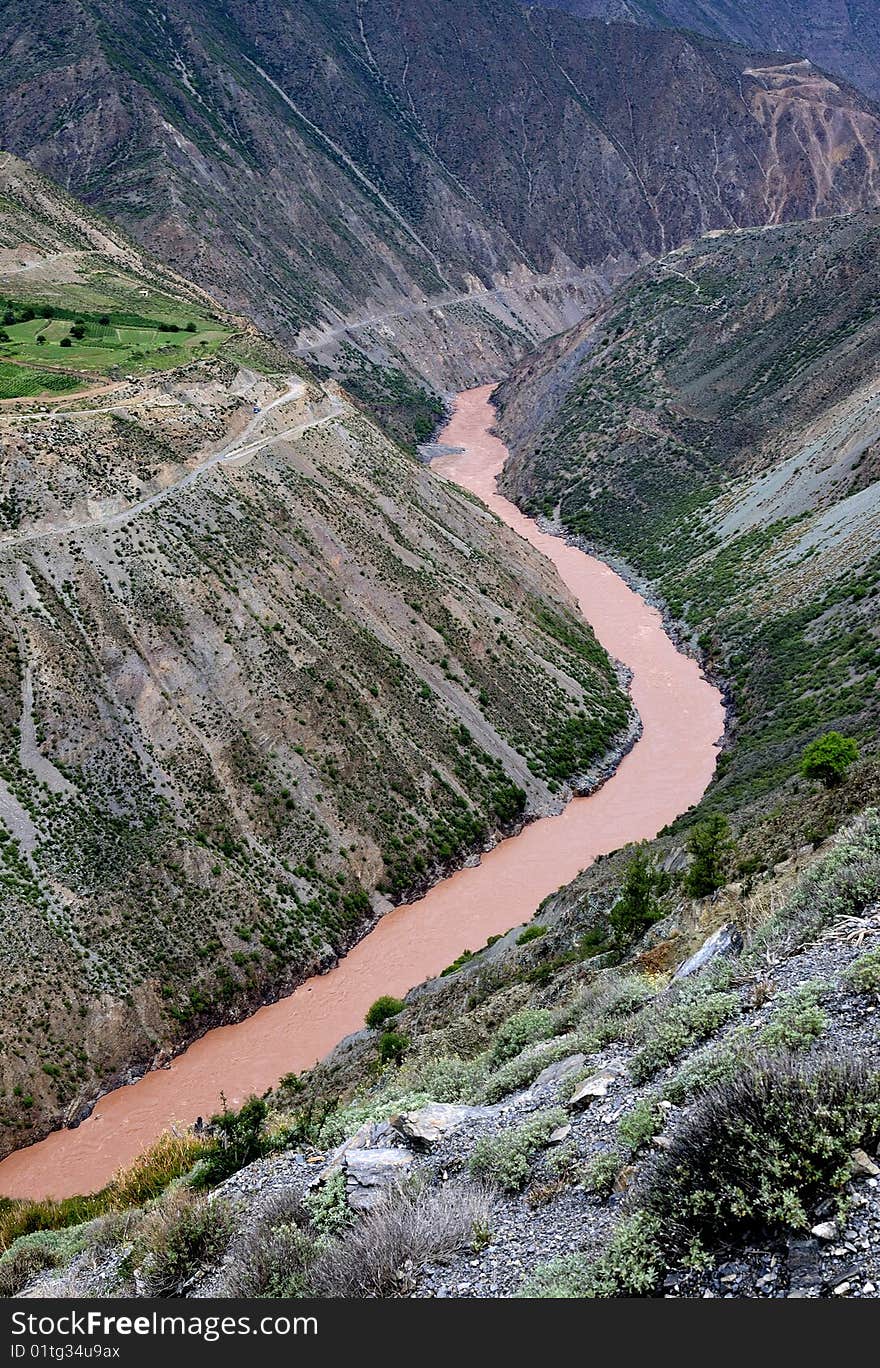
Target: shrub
{"x":179,"y":1238}
{"x":382,"y":1010}
{"x":631,"y":1266}
{"x":713,"y":1065}
{"x":66,"y":342}
{"x":522,"y":1070}
{"x":521,"y":1029}
{"x":327,"y":1205}
{"x":20,"y":1265}
{"x":673,"y":1028}
{"x":600,"y":1174}
{"x":446,"y":1078}
{"x":610,"y":998}
{"x":843,"y":883}
{"x":641,"y":1124}
{"x":393,"y":1045}
{"x":637,"y":904}
{"x":828,"y":758}
{"x":863,"y":975}
{"x":759,"y":1151}
{"x":711,"y":848}
{"x":504,"y":1159}
{"x":384,"y":1251}
{"x":530,"y":933}
{"x":797,"y":1019}
{"x":275,"y":1257}
{"x":238,"y":1138}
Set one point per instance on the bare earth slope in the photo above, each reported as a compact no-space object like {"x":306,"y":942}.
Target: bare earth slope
{"x":843,"y":36}
{"x":469,"y":188}
{"x":261,"y":674}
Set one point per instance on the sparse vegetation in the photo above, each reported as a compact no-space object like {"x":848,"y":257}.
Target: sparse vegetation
{"x":671,"y":1028}
{"x":177,"y":1239}
{"x":504,"y":1159}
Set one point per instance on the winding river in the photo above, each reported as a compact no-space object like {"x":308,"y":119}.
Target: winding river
{"x":665,"y":773}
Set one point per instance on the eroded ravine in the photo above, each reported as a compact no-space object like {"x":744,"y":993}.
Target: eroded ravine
{"x":664,"y":774}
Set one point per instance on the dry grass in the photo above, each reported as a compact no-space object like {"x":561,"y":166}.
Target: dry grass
{"x":383,"y":1253}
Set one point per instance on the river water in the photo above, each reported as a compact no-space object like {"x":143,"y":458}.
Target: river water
{"x":665,"y":773}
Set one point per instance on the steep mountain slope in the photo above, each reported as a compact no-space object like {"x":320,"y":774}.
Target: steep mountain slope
{"x":261,"y":673}
{"x":843,"y":36}
{"x":717,"y":425}
{"x":469,"y":187}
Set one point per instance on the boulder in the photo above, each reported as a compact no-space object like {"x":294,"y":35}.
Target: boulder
{"x":429,"y":1124}
{"x":825,"y":1230}
{"x":562,"y":1069}
{"x":862,"y":1166}
{"x":561,"y":1133}
{"x":596,"y":1085}
{"x":725,"y":941}
{"x":369,"y":1173}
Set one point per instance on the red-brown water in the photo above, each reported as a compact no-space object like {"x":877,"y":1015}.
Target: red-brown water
{"x":666,"y":772}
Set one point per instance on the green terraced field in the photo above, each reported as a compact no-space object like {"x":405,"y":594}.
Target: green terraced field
{"x":87,"y":342}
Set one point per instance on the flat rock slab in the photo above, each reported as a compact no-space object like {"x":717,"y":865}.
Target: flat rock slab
{"x":596,"y":1085}
{"x":563,"y":1068}
{"x":428,"y":1125}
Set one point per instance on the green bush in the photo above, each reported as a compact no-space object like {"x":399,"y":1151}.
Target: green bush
{"x":178,"y":1239}
{"x":393,"y":1045}
{"x":600,"y":1174}
{"x":328,"y":1207}
{"x":828,"y":758}
{"x":843,"y":883}
{"x":641,"y":1124}
{"x":382,"y":1010}
{"x":446,"y":1078}
{"x":524,"y":1068}
{"x":863,"y":975}
{"x":711,"y":848}
{"x":631,"y":1266}
{"x":672,"y":1029}
{"x":237,"y":1138}
{"x":504,"y":1159}
{"x":276,"y":1255}
{"x":797,"y":1020}
{"x":758,"y":1152}
{"x":530,"y":933}
{"x":715,"y":1064}
{"x":522,"y":1029}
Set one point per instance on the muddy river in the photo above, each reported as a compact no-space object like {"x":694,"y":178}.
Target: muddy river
{"x":664,"y":774}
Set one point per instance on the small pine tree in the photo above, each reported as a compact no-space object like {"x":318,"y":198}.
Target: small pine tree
{"x":711,"y":847}
{"x":828,"y":758}
{"x":637,"y":904}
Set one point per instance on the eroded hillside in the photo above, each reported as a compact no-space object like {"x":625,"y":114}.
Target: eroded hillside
{"x":716,"y":425}
{"x":408,"y":198}
{"x":262,"y":674}
{"x":841,"y":36}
